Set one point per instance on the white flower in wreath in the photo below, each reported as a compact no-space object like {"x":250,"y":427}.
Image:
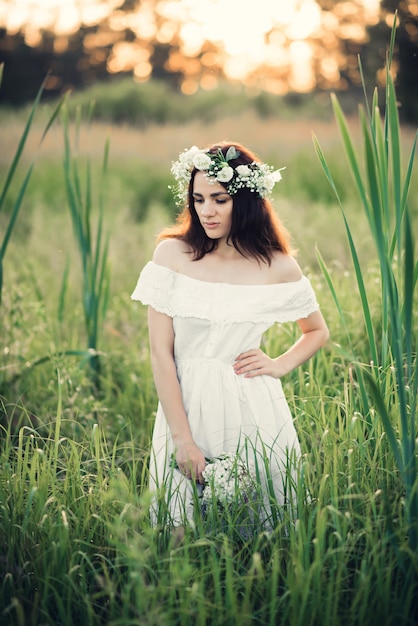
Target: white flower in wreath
{"x":187,"y":156}
{"x":276,"y":176}
{"x":202,"y":161}
{"x":243,"y":171}
{"x":225,"y":174}
{"x":268,"y":179}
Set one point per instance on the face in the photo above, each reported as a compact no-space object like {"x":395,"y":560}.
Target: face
{"x":213,"y":205}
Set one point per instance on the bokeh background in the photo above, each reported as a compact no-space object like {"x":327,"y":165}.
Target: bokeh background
{"x":269,"y":46}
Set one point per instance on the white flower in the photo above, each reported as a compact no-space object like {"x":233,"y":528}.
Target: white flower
{"x":227,"y":481}
{"x":225,"y":174}
{"x":243,"y":171}
{"x":202,"y":161}
{"x":267,"y":184}
{"x":267,"y":178}
{"x":276,"y":176}
{"x":188,"y":155}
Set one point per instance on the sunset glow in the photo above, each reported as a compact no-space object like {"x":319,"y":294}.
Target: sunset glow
{"x":249,"y":35}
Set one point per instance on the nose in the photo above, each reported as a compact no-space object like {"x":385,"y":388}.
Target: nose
{"x":208,"y":208}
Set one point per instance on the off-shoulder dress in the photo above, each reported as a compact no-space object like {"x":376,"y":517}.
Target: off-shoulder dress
{"x":214,"y":322}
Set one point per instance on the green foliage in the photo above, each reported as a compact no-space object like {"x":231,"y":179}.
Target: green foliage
{"x":93,"y":247}
{"x":392,"y":375}
{"x":129,"y":102}
{"x":12,"y":171}
{"x":124,"y":101}
{"x":150,"y":187}
{"x":78,"y":547}
{"x":303,"y":178}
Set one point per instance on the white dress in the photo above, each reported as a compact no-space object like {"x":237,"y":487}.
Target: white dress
{"x":213,"y":323}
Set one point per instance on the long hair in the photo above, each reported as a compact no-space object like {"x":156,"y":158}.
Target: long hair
{"x":256,"y":230}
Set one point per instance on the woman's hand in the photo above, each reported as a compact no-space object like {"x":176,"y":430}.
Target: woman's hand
{"x":190,"y":460}
{"x":255,"y":363}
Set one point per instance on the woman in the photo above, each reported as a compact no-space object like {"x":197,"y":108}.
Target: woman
{"x":218,"y":280}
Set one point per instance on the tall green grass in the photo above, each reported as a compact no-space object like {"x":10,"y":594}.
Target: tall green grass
{"x":78,"y":546}
{"x":92,"y":245}
{"x":390,"y":375}
{"x":13,"y":167}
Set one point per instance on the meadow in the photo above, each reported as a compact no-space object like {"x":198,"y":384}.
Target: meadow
{"x":76,"y":543}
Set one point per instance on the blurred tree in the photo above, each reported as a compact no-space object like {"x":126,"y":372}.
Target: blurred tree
{"x":145,"y":39}
{"x":66,"y":61}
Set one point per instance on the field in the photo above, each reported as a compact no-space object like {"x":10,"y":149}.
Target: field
{"x":76,"y":543}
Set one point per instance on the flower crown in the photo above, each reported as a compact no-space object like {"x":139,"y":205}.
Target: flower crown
{"x":257,"y":177}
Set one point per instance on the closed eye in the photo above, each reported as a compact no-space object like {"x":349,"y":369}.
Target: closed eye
{"x":200,"y":200}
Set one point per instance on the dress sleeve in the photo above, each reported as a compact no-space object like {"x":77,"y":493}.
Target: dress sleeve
{"x":155,"y":288}
{"x":178,"y":295}
{"x":296,"y":301}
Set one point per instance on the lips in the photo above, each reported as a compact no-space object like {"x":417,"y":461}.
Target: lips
{"x":210,"y":224}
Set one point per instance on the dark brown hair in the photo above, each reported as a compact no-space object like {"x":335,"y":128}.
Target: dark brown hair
{"x":256,"y":230}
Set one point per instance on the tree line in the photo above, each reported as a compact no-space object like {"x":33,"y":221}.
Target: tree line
{"x":85,"y":56}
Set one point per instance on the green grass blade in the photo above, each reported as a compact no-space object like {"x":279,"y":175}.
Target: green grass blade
{"x":357,"y":268}
{"x":63,"y":292}
{"x":363,"y":296}
{"x":363,"y":84}
{"x":392,"y":40}
{"x":373,"y":184}
{"x":15,"y":212}
{"x":21,"y":145}
{"x":102,"y":193}
{"x":393,"y":127}
{"x":53,"y":117}
{"x":106,"y":290}
{"x":384,"y":415}
{"x":102,"y":280}
{"x":409,"y":289}
{"x":325,"y":167}
{"x":87,"y":211}
{"x":381,"y":155}
{"x":350,"y":152}
{"x":331,"y":287}
{"x":408,"y":176}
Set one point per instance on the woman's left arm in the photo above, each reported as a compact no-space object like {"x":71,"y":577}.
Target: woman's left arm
{"x":255,"y":362}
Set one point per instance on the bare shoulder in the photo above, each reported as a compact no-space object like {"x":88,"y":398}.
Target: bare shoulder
{"x":285,"y":268}
{"x":170,"y":253}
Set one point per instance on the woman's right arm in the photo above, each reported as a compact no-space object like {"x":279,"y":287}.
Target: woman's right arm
{"x":189,"y":457}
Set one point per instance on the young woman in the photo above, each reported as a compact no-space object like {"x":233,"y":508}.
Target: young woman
{"x":218,"y":280}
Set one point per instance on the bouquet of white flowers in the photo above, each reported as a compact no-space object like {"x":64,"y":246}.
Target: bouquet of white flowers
{"x":229,"y":486}
{"x":229,"y":482}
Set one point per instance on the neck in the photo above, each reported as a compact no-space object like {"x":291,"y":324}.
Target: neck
{"x":227,"y":251}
